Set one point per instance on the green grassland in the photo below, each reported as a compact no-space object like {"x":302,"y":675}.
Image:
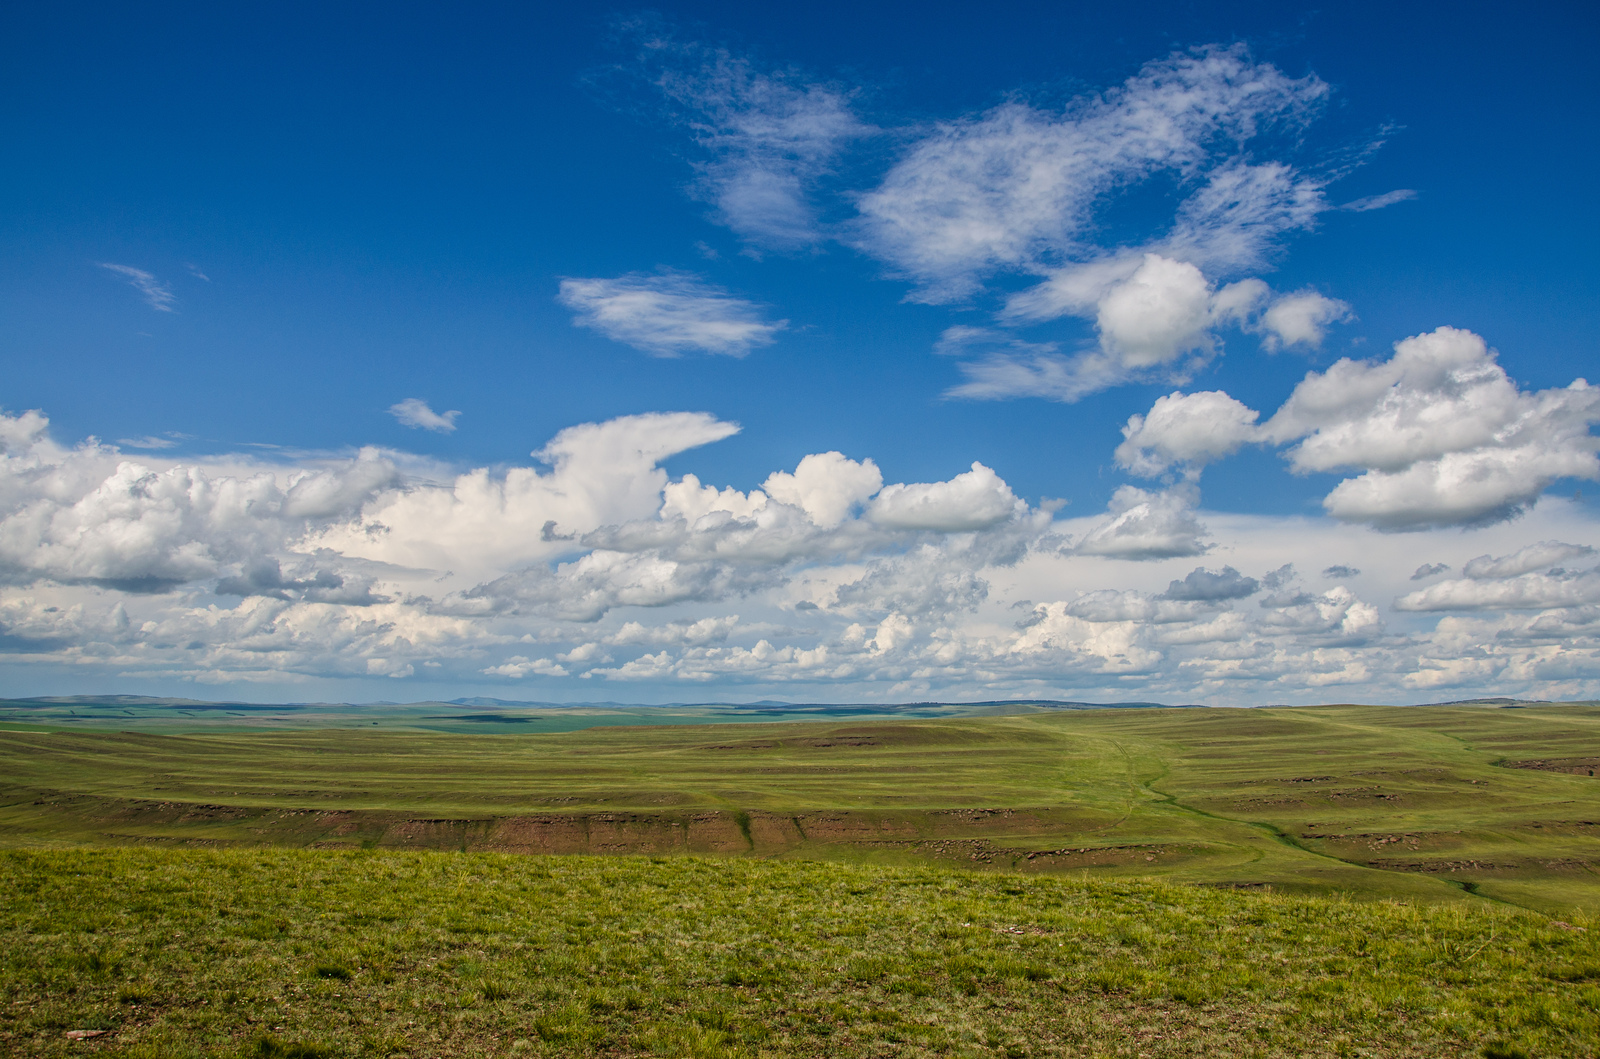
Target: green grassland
{"x":1448,"y":803}
{"x":296,"y":954}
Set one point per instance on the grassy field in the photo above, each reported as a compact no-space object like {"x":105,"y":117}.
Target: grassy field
{"x":1428,"y":803}
{"x":299,"y":954}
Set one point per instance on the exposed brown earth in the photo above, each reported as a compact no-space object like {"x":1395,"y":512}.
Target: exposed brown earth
{"x":1001,"y":837}
{"x":1573,"y":766}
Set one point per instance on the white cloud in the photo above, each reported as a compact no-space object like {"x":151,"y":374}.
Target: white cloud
{"x":668,"y":314}
{"x":352,"y":569}
{"x":1301,"y":319}
{"x":678,"y":633}
{"x":999,"y":376}
{"x":1533,"y":591}
{"x":1141,"y":524}
{"x":1525,"y":560}
{"x":87,"y":515}
{"x":1189,"y":430}
{"x":1018,"y":188}
{"x":1522,"y":580}
{"x":519,"y":666}
{"x":1107,"y":605}
{"x":1378,"y":202}
{"x":1149,"y":311}
{"x":156,"y":294}
{"x":1161,"y":311}
{"x":769,"y":137}
{"x":1209,"y":586}
{"x":415,"y":413}
{"x":481,"y":524}
{"x":827,"y":486}
{"x":693,"y":501}
{"x":974,"y":500}
{"x":1236,"y":218}
{"x":1444,"y":436}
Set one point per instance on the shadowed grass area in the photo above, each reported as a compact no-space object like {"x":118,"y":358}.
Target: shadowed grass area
{"x":277,"y":953}
{"x":1430,"y":803}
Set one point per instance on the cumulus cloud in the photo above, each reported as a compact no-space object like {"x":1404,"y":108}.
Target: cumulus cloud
{"x":1336,"y":616}
{"x":1341,"y":571}
{"x":1532,"y":591}
{"x":1206,"y":585}
{"x":1533,"y":557}
{"x":1300,"y":319}
{"x":974,"y":500}
{"x":1187,"y":430}
{"x":156,"y":294}
{"x":1427,"y":570}
{"x":415,"y":413}
{"x":482,"y":523}
{"x":1150,"y":312}
{"x":1160,"y":311}
{"x":600,"y":566}
{"x":86,"y":515}
{"x":1106,"y":605}
{"x":1017,"y":188}
{"x":767,"y":136}
{"x":1443,"y":435}
{"x":669,"y":314}
{"x":519,"y":666}
{"x":1141,"y":524}
{"x":696,"y":633}
{"x":827,"y":486}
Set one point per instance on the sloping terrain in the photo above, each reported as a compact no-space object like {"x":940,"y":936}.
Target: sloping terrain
{"x":274,"y":953}
{"x":1427,"y":802}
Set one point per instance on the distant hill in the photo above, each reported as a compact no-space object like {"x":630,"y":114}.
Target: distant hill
{"x":487,"y":715}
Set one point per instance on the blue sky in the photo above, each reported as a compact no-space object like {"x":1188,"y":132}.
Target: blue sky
{"x":255,"y":250}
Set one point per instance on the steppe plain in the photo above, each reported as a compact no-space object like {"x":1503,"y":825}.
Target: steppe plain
{"x":1003,"y":880}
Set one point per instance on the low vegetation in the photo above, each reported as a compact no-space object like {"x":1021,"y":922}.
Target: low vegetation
{"x":1434,"y":804}
{"x":304,"y":954}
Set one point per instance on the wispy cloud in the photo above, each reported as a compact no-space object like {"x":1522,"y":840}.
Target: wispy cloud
{"x":668,"y":314}
{"x":768,"y":136}
{"x":156,"y":294}
{"x":1019,"y":188}
{"x":415,"y":413}
{"x":151,"y":441}
{"x":1378,"y":202}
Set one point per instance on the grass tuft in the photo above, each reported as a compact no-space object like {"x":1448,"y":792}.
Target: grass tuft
{"x":271,"y":1048}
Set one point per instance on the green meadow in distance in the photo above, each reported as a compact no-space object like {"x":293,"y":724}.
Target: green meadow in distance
{"x":1442,"y":803}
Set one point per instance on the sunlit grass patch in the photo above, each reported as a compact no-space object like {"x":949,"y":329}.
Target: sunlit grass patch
{"x":413,"y":954}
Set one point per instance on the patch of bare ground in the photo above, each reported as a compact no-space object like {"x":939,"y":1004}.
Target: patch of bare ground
{"x":1572,"y":766}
